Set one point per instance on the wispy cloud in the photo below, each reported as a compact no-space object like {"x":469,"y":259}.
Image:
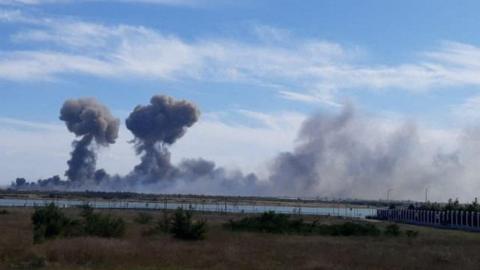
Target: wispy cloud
{"x":14,"y":123}
{"x":188,"y":3}
{"x":309,"y":98}
{"x":45,"y":65}
{"x":306,"y":65}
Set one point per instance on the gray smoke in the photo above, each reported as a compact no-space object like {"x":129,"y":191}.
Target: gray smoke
{"x":350,"y":155}
{"x":346,"y":155}
{"x":93,"y":122}
{"x":155,"y":127}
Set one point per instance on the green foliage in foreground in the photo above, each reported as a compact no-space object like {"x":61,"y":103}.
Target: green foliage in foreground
{"x":181,"y":225}
{"x":108,"y":226}
{"x":143,"y":218}
{"x":270,"y":222}
{"x":392,"y":230}
{"x":50,"y":222}
{"x":411,"y":233}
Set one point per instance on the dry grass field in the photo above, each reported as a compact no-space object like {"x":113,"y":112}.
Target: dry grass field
{"x":223,"y":249}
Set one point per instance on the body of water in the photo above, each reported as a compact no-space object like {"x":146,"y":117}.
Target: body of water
{"x":220,"y":207}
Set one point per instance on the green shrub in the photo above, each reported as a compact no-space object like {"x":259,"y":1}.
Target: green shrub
{"x":182,"y":226}
{"x":104,"y":225}
{"x":162,"y":226}
{"x":87,"y":210}
{"x":392,"y":230}
{"x":36,"y":262}
{"x":165,"y":223}
{"x":270,"y":222}
{"x":354,"y":229}
{"x":411,"y":233}
{"x":143,"y":218}
{"x":49,"y":222}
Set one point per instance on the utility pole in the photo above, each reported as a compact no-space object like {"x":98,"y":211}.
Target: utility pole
{"x":426,"y":194}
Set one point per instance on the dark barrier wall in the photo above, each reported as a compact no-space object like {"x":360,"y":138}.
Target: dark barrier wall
{"x":464,"y":220}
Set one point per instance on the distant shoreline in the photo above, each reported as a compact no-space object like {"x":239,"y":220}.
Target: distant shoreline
{"x":199,"y":198}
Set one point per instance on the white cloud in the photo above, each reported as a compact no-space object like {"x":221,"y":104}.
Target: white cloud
{"x":309,"y":98}
{"x":308,"y":66}
{"x":44,"y":65}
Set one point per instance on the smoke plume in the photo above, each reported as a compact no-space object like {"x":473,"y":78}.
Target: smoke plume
{"x":350,"y":155}
{"x":155,"y":127}
{"x":346,"y":154}
{"x":93,"y":122}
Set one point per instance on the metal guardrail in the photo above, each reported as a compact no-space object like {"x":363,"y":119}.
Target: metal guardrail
{"x":463,"y":220}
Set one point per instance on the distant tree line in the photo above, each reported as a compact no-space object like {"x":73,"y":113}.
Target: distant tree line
{"x":451,"y":205}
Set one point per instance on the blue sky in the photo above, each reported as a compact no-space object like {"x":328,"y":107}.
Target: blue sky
{"x":255,"y":69}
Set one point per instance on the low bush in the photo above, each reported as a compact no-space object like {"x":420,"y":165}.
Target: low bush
{"x":143,"y":218}
{"x":354,"y":229}
{"x":270,"y":222}
{"x":411,"y":233}
{"x":180,"y":224}
{"x":50,"y":222}
{"x":36,"y":262}
{"x":183,"y":227}
{"x":4,"y":212}
{"x":162,"y":226}
{"x":392,"y":230}
{"x":104,"y":225}
{"x":165,"y":223}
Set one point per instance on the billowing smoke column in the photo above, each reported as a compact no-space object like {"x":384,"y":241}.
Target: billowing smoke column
{"x":155,"y":127}
{"x":351,"y":155}
{"x":93,"y":122}
{"x":348,"y":155}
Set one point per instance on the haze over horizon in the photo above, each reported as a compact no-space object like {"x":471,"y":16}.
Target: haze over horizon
{"x":320,"y":98}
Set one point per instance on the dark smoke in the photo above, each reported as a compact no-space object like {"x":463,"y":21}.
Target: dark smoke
{"x":91,"y":121}
{"x":347,"y":155}
{"x":155,"y":127}
{"x":81,"y":165}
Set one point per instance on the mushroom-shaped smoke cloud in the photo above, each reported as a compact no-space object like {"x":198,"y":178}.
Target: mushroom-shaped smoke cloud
{"x":91,"y":121}
{"x":155,"y":126}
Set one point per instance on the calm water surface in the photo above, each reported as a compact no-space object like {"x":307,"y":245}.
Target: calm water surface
{"x":206,"y":207}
